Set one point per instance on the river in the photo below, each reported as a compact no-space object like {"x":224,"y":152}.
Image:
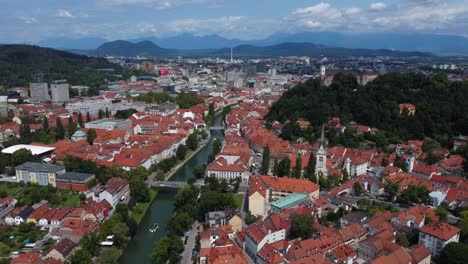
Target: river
{"x":142,"y":244}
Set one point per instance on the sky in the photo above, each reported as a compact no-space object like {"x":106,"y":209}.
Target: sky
{"x":29,"y":21}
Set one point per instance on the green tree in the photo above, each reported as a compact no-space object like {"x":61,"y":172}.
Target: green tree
{"x":402,"y":240}
{"x":21,"y":156}
{"x":199,"y":171}
{"x":122,"y":210}
{"x":90,"y":243}
{"x":45,"y":123}
{"x":442,"y":213}
{"x":71,"y":127}
{"x":110,"y":256}
{"x":88,"y":117}
{"x":25,"y":133}
{"x":345,"y":175}
{"x":192,"y":141}
{"x":132,"y":226}
{"x":139,"y":191}
{"x":297,"y":172}
{"x":400,"y":163}
{"x":391,"y":188}
{"x":60,"y":130}
{"x":168,"y":248}
{"x":91,"y":135}
{"x":81,"y":256}
{"x":357,"y":188}
{"x":453,"y":253}
{"x":114,"y":226}
{"x":100,"y":114}
{"x":80,"y":119}
{"x":180,"y":223}
{"x":107,"y":113}
{"x":160,"y":176}
{"x":249,"y":218}
{"x":265,"y":161}
{"x":181,"y":151}
{"x":415,"y":194}
{"x":301,"y":226}
{"x":211,"y":109}
{"x":463,"y":225}
{"x":284,"y":167}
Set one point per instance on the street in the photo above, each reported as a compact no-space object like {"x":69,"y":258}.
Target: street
{"x":187,"y":254}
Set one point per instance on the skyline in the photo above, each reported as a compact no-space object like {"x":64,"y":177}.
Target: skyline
{"x":29,"y":21}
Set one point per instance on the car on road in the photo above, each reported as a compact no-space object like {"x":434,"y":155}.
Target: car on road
{"x":162,"y":185}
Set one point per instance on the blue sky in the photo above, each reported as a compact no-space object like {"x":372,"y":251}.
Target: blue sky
{"x":24,"y":21}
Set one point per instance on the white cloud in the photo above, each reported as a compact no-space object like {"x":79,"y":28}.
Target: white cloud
{"x":353,"y":10}
{"x":377,"y":6}
{"x":64,"y":13}
{"x":157,"y":4}
{"x":316,"y":9}
{"x":29,"y":19}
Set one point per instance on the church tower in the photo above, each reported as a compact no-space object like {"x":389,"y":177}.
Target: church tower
{"x":321,"y":157}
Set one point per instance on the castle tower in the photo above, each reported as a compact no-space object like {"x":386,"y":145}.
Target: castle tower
{"x":321,"y":157}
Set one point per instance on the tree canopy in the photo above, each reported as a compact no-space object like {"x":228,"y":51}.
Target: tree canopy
{"x":441,"y":111}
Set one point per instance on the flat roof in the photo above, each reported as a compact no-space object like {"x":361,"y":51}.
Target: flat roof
{"x":76,"y":177}
{"x":35,"y":150}
{"x":109,"y":121}
{"x":40,"y":167}
{"x":291,"y":199}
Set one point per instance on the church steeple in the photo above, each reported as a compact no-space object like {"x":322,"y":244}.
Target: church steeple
{"x":321,"y":156}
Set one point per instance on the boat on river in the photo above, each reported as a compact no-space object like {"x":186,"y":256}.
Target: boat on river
{"x":154,"y":227}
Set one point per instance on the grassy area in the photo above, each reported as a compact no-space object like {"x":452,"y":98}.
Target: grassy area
{"x":238,"y":200}
{"x":12,"y":238}
{"x":72,"y":201}
{"x":30,"y":194}
{"x":9,"y":188}
{"x":140,"y":209}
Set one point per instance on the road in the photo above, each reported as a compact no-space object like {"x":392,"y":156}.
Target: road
{"x":6,"y":178}
{"x":187,"y":254}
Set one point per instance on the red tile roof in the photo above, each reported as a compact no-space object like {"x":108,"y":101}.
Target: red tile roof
{"x":440,"y":230}
{"x":290,"y":184}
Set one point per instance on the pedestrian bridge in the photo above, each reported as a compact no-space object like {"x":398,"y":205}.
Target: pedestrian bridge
{"x":217,"y":128}
{"x":173,"y":184}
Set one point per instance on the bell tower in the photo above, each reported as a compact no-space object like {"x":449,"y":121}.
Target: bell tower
{"x":321,"y":157}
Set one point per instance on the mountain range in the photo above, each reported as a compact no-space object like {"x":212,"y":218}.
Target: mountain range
{"x":148,"y":48}
{"x":440,"y":44}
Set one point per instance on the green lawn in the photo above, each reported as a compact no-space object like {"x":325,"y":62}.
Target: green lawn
{"x":9,"y":188}
{"x":238,"y":200}
{"x":140,"y":209}
{"x":72,"y":201}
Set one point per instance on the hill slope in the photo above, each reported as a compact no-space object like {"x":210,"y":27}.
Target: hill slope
{"x":148,"y":48}
{"x":441,"y":108}
{"x":310,"y":49}
{"x":126,"y":48}
{"x":18,"y":62}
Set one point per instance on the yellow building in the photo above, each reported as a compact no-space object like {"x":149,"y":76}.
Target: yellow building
{"x":42,"y":174}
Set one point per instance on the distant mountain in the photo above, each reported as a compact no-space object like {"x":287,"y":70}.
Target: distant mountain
{"x":310,"y":49}
{"x":18,"y":62}
{"x":126,"y":48}
{"x":70,"y":44}
{"x":190,"y":42}
{"x":433,"y":43}
{"x":443,"y":44}
{"x":148,"y":48}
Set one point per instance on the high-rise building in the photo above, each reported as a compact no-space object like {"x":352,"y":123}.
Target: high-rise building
{"x":39,"y":89}
{"x":60,"y":91}
{"x":3,"y":105}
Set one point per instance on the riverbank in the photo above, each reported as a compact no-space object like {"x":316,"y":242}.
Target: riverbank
{"x":141,"y":208}
{"x":176,"y":168}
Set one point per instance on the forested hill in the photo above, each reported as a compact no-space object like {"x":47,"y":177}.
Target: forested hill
{"x":441,"y":106}
{"x":18,"y":62}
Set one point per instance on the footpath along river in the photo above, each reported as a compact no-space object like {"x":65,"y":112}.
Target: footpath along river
{"x":140,"y":247}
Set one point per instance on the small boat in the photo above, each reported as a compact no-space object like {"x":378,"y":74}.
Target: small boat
{"x":154,"y":227}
